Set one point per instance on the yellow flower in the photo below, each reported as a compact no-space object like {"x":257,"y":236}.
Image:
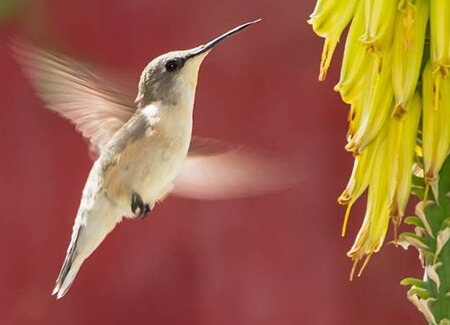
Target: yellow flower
{"x":409,"y":41}
{"x":390,"y":181}
{"x":380,"y":78}
{"x":377,"y":104}
{"x":379,"y":21}
{"x":355,"y":60}
{"x":328,"y":20}
{"x":436,"y":123}
{"x":440,"y":35}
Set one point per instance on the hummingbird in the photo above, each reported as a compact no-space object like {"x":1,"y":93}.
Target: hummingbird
{"x":144,"y":149}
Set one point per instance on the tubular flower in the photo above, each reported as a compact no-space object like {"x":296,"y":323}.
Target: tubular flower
{"x":328,"y":20}
{"x":360,"y":178}
{"x":395,"y":76}
{"x":377,"y":106}
{"x":379,"y":20}
{"x":389,"y":182}
{"x":409,"y":41}
{"x":355,"y":59}
{"x":405,"y":130}
{"x":436,"y":124}
{"x":440,"y":34}
{"x":440,"y":43}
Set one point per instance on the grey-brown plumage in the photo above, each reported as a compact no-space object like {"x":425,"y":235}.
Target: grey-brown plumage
{"x":141,"y":147}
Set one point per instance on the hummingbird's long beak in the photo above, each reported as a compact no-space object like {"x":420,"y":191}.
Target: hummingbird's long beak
{"x":208,"y":46}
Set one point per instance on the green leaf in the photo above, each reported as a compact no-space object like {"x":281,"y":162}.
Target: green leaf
{"x":419,"y":292}
{"x":414,"y":221}
{"x":413,"y":239}
{"x":414,"y":282}
{"x":418,"y":186}
{"x":445,"y":224}
{"x":435,"y":215}
{"x":429,"y":256}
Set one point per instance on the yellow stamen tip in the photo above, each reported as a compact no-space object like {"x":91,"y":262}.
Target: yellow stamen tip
{"x":352,"y":272}
{"x":366,"y":261}
{"x":346,"y":216}
{"x":396,"y":220}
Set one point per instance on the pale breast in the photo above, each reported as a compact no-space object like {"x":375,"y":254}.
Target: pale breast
{"x":149,"y":163}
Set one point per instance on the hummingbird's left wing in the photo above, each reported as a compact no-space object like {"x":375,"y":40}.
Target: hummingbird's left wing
{"x":68,"y":88}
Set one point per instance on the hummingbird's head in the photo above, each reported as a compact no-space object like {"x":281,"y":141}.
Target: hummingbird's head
{"x":173,"y":75}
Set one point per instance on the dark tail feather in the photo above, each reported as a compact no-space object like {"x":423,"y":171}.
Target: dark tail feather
{"x":67,"y":273}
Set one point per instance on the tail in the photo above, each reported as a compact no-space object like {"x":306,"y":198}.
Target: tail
{"x":90,"y":229}
{"x":68,"y":270}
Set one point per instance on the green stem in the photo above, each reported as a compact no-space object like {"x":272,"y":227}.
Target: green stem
{"x":437,"y":215}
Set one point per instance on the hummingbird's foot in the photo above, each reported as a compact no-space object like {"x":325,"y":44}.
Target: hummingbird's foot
{"x":138,"y":207}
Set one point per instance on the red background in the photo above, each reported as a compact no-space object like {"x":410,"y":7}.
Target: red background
{"x":276,"y":259}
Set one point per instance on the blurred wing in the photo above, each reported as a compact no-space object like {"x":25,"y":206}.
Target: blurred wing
{"x":214,"y":170}
{"x":201,"y":147}
{"x":71,"y":90}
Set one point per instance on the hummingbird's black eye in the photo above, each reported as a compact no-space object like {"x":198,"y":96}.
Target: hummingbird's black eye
{"x":172,"y":65}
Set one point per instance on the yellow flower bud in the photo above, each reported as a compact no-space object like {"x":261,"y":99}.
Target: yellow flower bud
{"x":440,"y":34}
{"x":355,"y":61}
{"x":377,"y":106}
{"x":379,"y":21}
{"x":408,"y":45}
{"x":436,"y":125}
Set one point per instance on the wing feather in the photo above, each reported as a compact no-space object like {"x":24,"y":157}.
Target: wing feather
{"x":70,"y":89}
{"x":215,"y":170}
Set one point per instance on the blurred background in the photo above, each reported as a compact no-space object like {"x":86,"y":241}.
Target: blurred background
{"x":275,"y":259}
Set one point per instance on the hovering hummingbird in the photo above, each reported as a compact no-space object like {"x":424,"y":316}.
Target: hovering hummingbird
{"x":142,"y":148}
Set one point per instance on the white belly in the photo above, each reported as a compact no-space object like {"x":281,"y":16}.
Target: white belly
{"x":149,"y":166}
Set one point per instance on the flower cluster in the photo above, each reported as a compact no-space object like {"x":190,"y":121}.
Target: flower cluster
{"x":395,"y":76}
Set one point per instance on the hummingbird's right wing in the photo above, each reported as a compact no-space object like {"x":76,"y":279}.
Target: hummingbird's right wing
{"x":67,"y":87}
{"x":216,"y":170}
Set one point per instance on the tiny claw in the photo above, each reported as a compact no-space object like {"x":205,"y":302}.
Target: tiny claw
{"x":145,"y":211}
{"x":138,"y":207}
{"x":134,"y":202}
